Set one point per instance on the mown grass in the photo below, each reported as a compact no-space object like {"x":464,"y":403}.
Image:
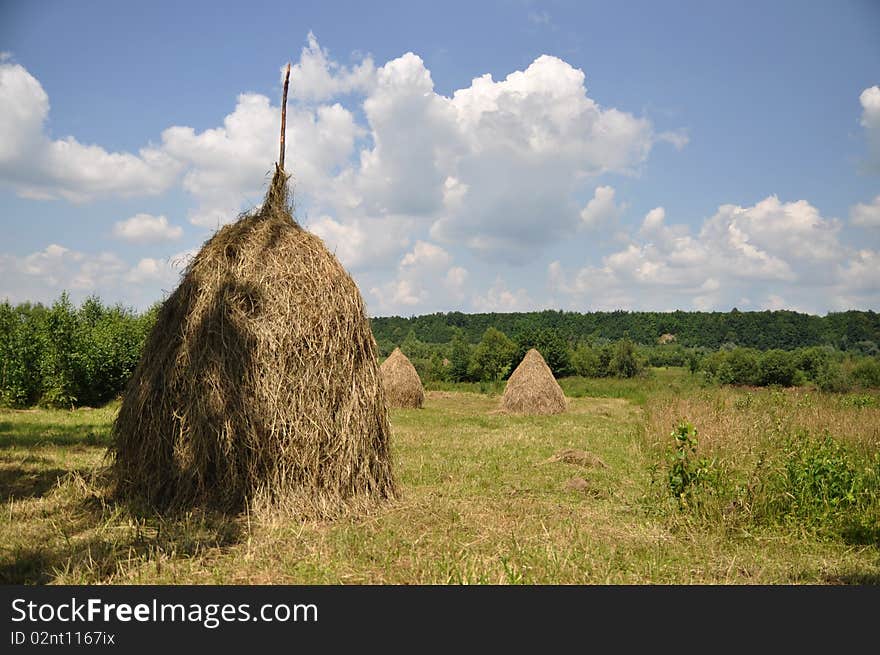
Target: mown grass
{"x":479,"y":502}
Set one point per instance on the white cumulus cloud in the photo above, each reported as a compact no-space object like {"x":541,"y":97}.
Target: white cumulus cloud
{"x":771,"y":249}
{"x":36,"y":166}
{"x":601,"y":209}
{"x":870,"y":101}
{"x":316,"y":77}
{"x":146,"y":228}
{"x":499,"y":298}
{"x":866,"y":214}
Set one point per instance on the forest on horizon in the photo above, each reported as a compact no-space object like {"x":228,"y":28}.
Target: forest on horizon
{"x":770,"y":329}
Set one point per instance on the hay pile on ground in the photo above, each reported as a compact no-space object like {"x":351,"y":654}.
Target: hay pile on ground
{"x":403,"y":386}
{"x":532,"y":389}
{"x":574,"y":456}
{"x":259,"y":384}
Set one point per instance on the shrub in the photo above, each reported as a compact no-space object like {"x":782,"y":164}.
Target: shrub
{"x":812,"y":361}
{"x":739,"y":366}
{"x":866,"y":372}
{"x":830,"y":377}
{"x":64,"y":356}
{"x":688,"y":475}
{"x":777,"y":367}
{"x":585,"y":362}
{"x":21,"y":352}
{"x":624,"y":363}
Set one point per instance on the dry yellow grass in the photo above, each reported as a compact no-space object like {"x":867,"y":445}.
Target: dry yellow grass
{"x":739,"y":420}
{"x":475,"y":507}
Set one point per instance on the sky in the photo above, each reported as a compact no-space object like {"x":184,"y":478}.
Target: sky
{"x":456,"y":156}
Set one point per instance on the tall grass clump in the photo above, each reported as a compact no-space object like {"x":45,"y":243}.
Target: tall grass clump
{"x":818,"y":484}
{"x":803,"y":461}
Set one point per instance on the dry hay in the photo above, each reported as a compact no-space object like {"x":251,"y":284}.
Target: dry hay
{"x":403,"y":386}
{"x":578,"y":484}
{"x":532,"y":389}
{"x":259,"y":385}
{"x":583,"y":486}
{"x":574,"y":456}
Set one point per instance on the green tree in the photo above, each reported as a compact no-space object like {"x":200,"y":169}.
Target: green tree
{"x":550,"y":344}
{"x":436,"y":369}
{"x":625,"y":363}
{"x":59,"y":355}
{"x":585,"y":362}
{"x":21,"y":351}
{"x":413,"y":348}
{"x":492,"y":356}
{"x":459,"y":359}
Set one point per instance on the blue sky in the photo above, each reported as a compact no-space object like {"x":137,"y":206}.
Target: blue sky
{"x":657,"y":155}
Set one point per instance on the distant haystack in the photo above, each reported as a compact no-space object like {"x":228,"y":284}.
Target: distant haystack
{"x":532,"y":389}
{"x":403,"y":387}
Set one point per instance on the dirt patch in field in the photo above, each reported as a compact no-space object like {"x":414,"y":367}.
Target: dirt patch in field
{"x":574,"y":456}
{"x":584,"y":486}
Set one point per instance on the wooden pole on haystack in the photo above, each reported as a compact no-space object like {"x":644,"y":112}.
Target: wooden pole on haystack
{"x":283,"y":115}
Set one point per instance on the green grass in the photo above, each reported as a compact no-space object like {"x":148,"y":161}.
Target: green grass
{"x":478,"y":505}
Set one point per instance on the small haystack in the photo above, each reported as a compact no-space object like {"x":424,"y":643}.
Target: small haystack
{"x":403,"y":387}
{"x":532,"y":389}
{"x":259,"y":384}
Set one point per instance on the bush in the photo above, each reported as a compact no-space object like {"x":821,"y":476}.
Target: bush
{"x":21,"y":351}
{"x":687,"y":475}
{"x":585,"y":362}
{"x":739,"y":366}
{"x":866,"y":372}
{"x":60,"y":356}
{"x":812,"y":361}
{"x":666,"y":355}
{"x":830,"y":377}
{"x":624,"y":363}
{"x":777,"y":367}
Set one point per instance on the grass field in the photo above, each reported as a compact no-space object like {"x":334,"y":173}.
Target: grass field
{"x":481,"y":503}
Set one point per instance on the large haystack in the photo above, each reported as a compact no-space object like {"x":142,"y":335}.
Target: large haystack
{"x":403,"y":386}
{"x":532,"y":389}
{"x":259,"y":383}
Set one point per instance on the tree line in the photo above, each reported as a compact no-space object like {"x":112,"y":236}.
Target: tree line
{"x":856,"y":331}
{"x":496,"y":355}
{"x":65,"y":356}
